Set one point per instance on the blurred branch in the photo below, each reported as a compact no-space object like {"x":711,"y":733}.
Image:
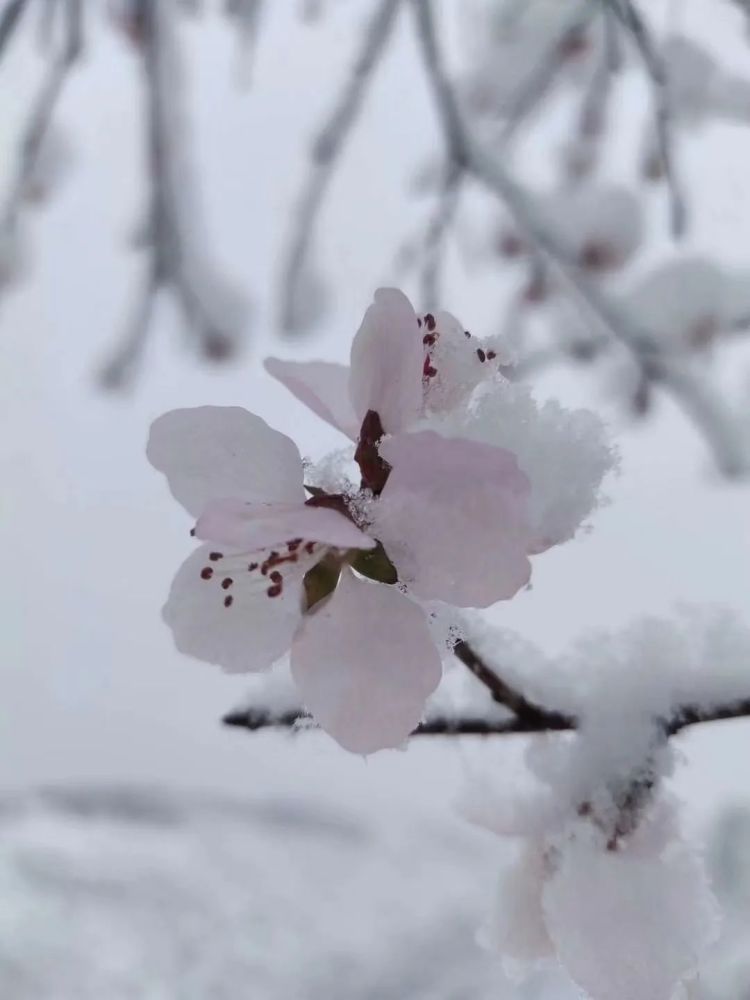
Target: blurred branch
{"x":172,"y":237}
{"x":706,"y":409}
{"x":435,"y":238}
{"x":43,"y":108}
{"x":326,"y":150}
{"x":630,"y":17}
{"x":537,"y":86}
{"x":10,"y":18}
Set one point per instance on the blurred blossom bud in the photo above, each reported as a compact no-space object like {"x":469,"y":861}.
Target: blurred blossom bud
{"x":688,"y":302}
{"x":52,"y":163}
{"x":218,"y":345}
{"x":579,"y":158}
{"x":601,"y":226}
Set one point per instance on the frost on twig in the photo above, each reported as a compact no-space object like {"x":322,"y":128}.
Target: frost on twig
{"x":676,"y":376}
{"x":213,"y":311}
{"x":628,"y":13}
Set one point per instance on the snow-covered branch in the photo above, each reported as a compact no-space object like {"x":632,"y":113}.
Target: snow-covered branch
{"x":526,"y":717}
{"x":213,"y":311}
{"x":719,"y":424}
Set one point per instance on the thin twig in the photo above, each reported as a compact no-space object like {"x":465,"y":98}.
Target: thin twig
{"x":537,"y":85}
{"x":435,"y":238}
{"x":42,"y":112}
{"x":526,"y":712}
{"x":172,"y":233}
{"x":630,"y":17}
{"x":707,"y":411}
{"x":326,"y":150}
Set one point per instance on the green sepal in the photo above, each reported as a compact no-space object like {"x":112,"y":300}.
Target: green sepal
{"x":320,"y":581}
{"x":375,"y":565}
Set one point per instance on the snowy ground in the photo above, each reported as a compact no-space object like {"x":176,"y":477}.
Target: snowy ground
{"x":119,"y":893}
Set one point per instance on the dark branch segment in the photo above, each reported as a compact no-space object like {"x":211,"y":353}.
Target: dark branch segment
{"x":533,"y":716}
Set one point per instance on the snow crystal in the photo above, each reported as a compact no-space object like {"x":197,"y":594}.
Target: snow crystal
{"x":564,"y":453}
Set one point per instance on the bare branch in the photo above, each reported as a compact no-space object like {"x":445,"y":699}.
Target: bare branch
{"x":256,"y":719}
{"x":9,"y":21}
{"x":716,"y":422}
{"x":326,"y":150}
{"x":435,"y":238}
{"x":43,"y":109}
{"x":538,"y":84}
{"x":172,"y":232}
{"x":630,"y":17}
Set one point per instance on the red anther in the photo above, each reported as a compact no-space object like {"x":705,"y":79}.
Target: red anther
{"x":206,"y":573}
{"x":192,"y":532}
{"x":214,"y":556}
{"x":467,"y":334}
{"x":226,"y":583}
{"x":276,"y":577}
{"x":309,"y":547}
{"x":428,"y":371}
{"x":429,"y":321}
{"x":251,"y":567}
{"x":481,"y":355}
{"x":491,"y":355}
{"x":275,"y":590}
{"x":294,"y":544}
{"x":228,"y":601}
{"x":429,"y":339}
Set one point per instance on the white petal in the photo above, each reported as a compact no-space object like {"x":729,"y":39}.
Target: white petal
{"x":628,"y":927}
{"x":386,"y":362}
{"x":322,"y":386}
{"x":211,"y":452}
{"x":452,"y":518}
{"x":247,"y":527}
{"x":365,"y":665}
{"x":237,"y":625}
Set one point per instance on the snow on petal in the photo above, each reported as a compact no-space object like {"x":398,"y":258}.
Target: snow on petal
{"x":452,"y":517}
{"x":564,"y":453}
{"x":210,"y":452}
{"x":322,"y":386}
{"x":387,"y":358}
{"x":365,"y":664}
{"x":247,"y":526}
{"x":456,"y":363}
{"x":629,"y":926}
{"x":222,"y":609}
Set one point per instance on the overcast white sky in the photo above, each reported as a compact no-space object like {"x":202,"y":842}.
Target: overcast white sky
{"x":91,"y":687}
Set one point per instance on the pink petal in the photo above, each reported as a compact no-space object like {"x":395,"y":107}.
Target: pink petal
{"x":322,"y":386}
{"x":452,"y":518}
{"x":223,"y":451}
{"x":386,"y":362}
{"x":365,"y":664}
{"x":246,"y":527}
{"x":236,"y":625}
